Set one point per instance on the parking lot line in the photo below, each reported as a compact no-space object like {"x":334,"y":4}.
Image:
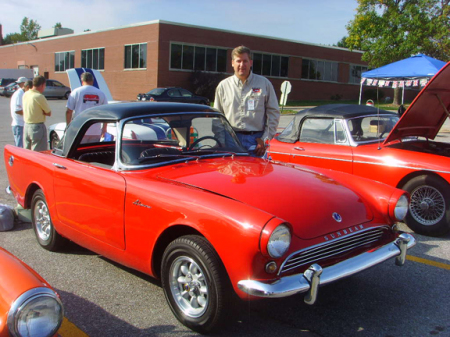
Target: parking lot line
{"x":428,"y":262}
{"x":68,"y":329}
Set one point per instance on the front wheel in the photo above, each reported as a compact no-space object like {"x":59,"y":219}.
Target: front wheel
{"x":195,"y":283}
{"x":429,"y":210}
{"x":54,"y":140}
{"x":43,"y":227}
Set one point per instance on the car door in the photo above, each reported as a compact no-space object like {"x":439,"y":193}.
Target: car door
{"x":90,"y":201}
{"x":49,"y":89}
{"x":323,"y":143}
{"x":187,"y":96}
{"x":174,"y":95}
{"x":59,"y":89}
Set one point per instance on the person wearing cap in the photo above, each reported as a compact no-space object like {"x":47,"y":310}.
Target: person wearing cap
{"x":17,"y":112}
{"x":35,"y":111}
{"x":249,"y":103}
{"x":82,"y":98}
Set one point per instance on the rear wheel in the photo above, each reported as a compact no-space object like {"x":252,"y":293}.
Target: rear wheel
{"x":46,"y":234}
{"x":195,"y":283}
{"x":429,"y":210}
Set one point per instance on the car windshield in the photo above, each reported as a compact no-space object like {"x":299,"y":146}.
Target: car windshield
{"x":156,"y":92}
{"x":370,"y":128}
{"x":175,"y":138}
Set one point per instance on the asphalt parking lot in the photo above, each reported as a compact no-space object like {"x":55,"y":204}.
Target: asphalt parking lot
{"x":102,"y":298}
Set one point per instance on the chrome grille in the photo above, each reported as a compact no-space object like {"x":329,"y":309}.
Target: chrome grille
{"x":333,"y":248}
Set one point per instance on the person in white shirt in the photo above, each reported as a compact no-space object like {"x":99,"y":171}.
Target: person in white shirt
{"x":17,"y":111}
{"x":249,"y":103}
{"x":82,"y":98}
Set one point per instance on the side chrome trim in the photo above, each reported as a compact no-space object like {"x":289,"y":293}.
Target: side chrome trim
{"x":315,"y":275}
{"x":8,"y":190}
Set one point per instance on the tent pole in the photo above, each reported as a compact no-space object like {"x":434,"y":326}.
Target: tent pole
{"x":360,"y":90}
{"x":403,"y":93}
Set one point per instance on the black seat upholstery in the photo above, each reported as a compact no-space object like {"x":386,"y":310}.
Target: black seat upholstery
{"x":103,"y":157}
{"x":159,"y":150}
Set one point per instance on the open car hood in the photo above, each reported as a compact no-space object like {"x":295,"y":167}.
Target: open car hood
{"x":428,"y":112}
{"x":302,"y":197}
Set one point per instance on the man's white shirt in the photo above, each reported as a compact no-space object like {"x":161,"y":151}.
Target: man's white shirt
{"x":16,"y":105}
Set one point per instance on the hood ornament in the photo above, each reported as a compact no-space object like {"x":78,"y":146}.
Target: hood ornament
{"x":337,"y":217}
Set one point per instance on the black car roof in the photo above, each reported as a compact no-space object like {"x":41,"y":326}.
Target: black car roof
{"x":117,"y":111}
{"x":342,"y":111}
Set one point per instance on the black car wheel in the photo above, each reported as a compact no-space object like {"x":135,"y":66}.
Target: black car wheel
{"x":429,"y":210}
{"x":66,"y":95}
{"x":195,"y":283}
{"x":46,"y":234}
{"x":54,"y":140}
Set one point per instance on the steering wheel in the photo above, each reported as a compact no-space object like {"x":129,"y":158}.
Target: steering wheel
{"x":203,"y":138}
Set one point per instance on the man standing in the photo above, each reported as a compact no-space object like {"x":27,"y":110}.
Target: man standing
{"x":17,"y":112}
{"x":35,"y":110}
{"x":249,"y":103}
{"x":82,"y":98}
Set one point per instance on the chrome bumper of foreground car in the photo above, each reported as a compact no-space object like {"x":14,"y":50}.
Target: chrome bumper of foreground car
{"x":314,"y":276}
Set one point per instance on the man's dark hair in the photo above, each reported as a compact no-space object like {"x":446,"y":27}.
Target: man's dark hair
{"x":38,"y":81}
{"x":28,"y":84}
{"x":87,"y":77}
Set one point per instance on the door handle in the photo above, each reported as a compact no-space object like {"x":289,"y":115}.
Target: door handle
{"x":299,"y":148}
{"x":59,"y":166}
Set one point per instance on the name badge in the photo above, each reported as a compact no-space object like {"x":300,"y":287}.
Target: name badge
{"x":251,"y":104}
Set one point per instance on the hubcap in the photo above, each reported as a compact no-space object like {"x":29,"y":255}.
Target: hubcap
{"x":42,"y":220}
{"x":427,"y":205}
{"x":188,"y":286}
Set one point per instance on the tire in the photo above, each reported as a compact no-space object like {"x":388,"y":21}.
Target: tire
{"x":66,"y":95}
{"x":195,"y":283}
{"x":54,"y":140}
{"x":43,"y":227}
{"x":429,"y":210}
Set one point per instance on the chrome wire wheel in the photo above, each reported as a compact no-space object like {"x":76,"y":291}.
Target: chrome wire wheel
{"x":42,"y":220}
{"x":427,"y":205}
{"x":188,"y":286}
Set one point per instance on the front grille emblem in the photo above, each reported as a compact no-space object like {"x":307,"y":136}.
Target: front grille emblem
{"x":337,"y":217}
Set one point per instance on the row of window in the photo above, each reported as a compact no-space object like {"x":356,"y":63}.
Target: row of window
{"x":135,"y":57}
{"x":200,"y":58}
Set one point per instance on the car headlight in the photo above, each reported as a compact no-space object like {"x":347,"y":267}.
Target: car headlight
{"x":401,"y":208}
{"x":37,"y":312}
{"x":279,"y":241}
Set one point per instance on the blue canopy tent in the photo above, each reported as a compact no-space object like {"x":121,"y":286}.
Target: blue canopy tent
{"x":417,"y":67}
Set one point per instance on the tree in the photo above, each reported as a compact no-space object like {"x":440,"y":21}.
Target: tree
{"x":392,"y":30}
{"x":29,"y":29}
{"x":342,"y":43}
{"x":58,"y":25}
{"x":13,"y":38}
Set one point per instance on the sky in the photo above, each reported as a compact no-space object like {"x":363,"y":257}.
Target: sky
{"x":313,"y":21}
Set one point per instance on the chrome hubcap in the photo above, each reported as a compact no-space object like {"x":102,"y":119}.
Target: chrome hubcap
{"x":42,"y":220}
{"x":188,"y":286}
{"x":427,"y":205}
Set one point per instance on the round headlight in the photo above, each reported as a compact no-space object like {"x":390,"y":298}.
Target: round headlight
{"x":37,"y":312}
{"x":401,"y":208}
{"x":279,"y":241}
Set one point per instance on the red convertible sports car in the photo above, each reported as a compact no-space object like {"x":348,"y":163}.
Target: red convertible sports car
{"x":29,"y":307}
{"x":375,"y":144}
{"x":198,"y":212}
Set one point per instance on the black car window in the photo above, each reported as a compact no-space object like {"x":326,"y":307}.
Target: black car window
{"x":57,"y":84}
{"x":185,"y":93}
{"x":174,"y":93}
{"x":49,"y":83}
{"x":157,"y":91}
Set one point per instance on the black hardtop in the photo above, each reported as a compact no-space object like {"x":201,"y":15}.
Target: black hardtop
{"x":338,"y":111}
{"x":117,"y":111}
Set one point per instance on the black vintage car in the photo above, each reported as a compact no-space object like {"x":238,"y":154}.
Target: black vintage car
{"x":172,"y":94}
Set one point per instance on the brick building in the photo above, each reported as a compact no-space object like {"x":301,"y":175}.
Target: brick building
{"x":143,"y":56}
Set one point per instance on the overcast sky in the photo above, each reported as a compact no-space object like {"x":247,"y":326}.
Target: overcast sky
{"x":314,"y":21}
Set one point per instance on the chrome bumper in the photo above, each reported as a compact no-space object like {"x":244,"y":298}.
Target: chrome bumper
{"x":314,"y":276}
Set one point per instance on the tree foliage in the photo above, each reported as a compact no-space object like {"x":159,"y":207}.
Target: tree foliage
{"x":391,"y":30}
{"x":28,"y":31}
{"x":58,"y":25}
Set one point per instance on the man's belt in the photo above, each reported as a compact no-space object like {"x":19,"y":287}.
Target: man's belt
{"x":247,"y":132}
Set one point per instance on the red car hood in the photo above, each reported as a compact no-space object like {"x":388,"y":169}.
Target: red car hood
{"x":427,"y":113}
{"x":304,"y":198}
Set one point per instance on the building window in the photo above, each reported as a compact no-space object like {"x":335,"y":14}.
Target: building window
{"x":355,"y":73}
{"x":64,"y":60}
{"x":136,"y":56}
{"x":320,"y":70}
{"x":93,"y":58}
{"x":270,"y":65}
{"x":197,"y":58}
